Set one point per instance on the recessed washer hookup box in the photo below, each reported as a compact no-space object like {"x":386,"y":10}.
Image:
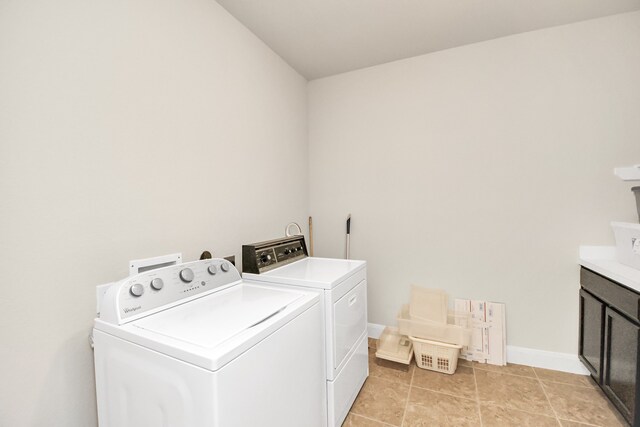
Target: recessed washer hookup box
{"x":627,"y":243}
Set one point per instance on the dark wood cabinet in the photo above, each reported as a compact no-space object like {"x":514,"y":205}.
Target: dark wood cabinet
{"x":609,"y":343}
{"x":591,"y":333}
{"x":621,"y":362}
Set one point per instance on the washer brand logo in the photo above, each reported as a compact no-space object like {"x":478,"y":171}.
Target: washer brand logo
{"x":132,"y":309}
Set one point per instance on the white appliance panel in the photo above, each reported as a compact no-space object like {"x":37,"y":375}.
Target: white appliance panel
{"x":324,"y":273}
{"x":349,"y":321}
{"x":212,"y":358}
{"x":156,"y":290}
{"x":138,"y":387}
{"x":343,"y":287}
{"x":343,"y":390}
{"x":331,"y":299}
{"x":280,"y":377}
{"x":278,"y":382}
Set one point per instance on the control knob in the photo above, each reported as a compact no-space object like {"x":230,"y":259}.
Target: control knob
{"x":186,"y":275}
{"x":136,"y":290}
{"x":224,"y":267}
{"x":157,"y":283}
{"x":265,"y":257}
{"x":212,"y":270}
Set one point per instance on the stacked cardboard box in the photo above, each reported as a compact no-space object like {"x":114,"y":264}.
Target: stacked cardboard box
{"x":488,"y":342}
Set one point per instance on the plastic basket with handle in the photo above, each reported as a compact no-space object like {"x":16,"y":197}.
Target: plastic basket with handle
{"x":436,"y":356}
{"x":457,"y":331}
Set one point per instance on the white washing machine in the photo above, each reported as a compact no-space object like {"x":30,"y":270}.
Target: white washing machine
{"x":193,"y":345}
{"x":342,"y":286}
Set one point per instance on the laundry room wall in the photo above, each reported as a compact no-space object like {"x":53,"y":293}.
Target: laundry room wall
{"x":127,"y":130}
{"x":481,"y":169}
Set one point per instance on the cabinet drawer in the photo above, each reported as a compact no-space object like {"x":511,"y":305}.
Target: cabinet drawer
{"x":612,"y":293}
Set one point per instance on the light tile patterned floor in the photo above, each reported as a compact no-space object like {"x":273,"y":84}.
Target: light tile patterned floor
{"x":478,"y":395}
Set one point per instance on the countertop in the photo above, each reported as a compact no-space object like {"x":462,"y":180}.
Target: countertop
{"x":602,"y":260}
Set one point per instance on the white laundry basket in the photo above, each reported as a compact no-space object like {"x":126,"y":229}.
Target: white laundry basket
{"x":395,"y":347}
{"x":436,"y":356}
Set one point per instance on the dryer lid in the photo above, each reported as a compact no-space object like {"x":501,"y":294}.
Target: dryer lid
{"x":209,"y":321}
{"x":324,"y":273}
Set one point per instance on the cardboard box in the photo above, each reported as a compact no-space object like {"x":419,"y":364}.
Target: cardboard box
{"x":488,"y":336}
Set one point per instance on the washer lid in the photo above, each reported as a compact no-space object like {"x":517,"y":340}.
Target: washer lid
{"x":209,"y":321}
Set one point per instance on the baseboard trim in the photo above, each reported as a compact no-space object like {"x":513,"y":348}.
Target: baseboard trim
{"x":374,"y":330}
{"x":564,"y":362}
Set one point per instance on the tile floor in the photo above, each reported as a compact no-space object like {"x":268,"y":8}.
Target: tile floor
{"x":477,"y":395}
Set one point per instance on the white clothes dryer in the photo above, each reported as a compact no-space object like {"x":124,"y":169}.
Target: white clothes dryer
{"x":342,"y":286}
{"x":193,"y":345}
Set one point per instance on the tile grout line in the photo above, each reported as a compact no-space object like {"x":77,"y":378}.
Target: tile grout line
{"x":457,"y":396}
{"x":587,"y":423}
{"x":566,"y":384}
{"x":392,"y":382}
{"x":506,"y":373}
{"x":541,"y":384}
{"x":404,"y":414}
{"x":534,"y":377}
{"x":475,"y":381}
{"x":388,"y":380}
{"x":572,"y":384}
{"x":520,"y":409}
{"x":371,"y":419}
{"x":580,"y":422}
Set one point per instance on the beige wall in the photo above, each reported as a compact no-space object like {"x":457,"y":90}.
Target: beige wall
{"x":127,"y":130}
{"x":481,"y":169}
{"x":134,"y":129}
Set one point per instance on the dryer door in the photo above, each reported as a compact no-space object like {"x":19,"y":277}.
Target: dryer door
{"x":349,"y":321}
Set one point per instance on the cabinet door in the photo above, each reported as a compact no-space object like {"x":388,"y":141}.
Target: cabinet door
{"x":621,"y":358}
{"x":591,"y":333}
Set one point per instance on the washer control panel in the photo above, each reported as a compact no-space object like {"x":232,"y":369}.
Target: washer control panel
{"x":153,"y":290}
{"x":264,"y":256}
